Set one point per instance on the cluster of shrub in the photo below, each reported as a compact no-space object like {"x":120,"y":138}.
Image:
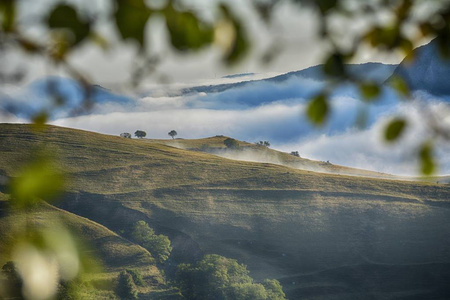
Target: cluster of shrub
{"x":213,"y":277}
{"x":127,"y":283}
{"x":221,"y":278}
{"x":142,"y":134}
{"x":295,"y":153}
{"x":158,"y":245}
{"x":263,"y":143}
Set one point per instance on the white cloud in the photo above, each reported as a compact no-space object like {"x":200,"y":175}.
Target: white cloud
{"x":366,"y":149}
{"x":193,"y":123}
{"x":283,"y":123}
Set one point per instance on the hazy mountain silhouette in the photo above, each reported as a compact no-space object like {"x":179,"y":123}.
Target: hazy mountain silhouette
{"x":426,"y":69}
{"x":61,"y":97}
{"x":370,"y":71}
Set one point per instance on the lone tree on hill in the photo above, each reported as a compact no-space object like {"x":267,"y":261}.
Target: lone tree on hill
{"x":140,"y":134}
{"x":172,"y":133}
{"x":231,"y":143}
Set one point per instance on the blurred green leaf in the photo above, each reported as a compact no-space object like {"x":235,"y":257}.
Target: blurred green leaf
{"x":239,"y":44}
{"x":186,"y":31}
{"x":131,"y":17}
{"x":406,"y":46}
{"x":444,"y":44}
{"x":369,"y":90}
{"x":264,"y":9}
{"x":427,"y":163}
{"x":318,"y":109}
{"x":38,"y":181}
{"x":404,"y":9}
{"x":99,"y":40}
{"x":386,"y":37}
{"x":426,"y":29}
{"x":46,"y":247}
{"x":28,"y":46}
{"x":8,"y":13}
{"x":400,"y":85}
{"x":394,"y":129}
{"x":64,"y":16}
{"x":334,"y":66}
{"x":326,"y":5}
{"x":39,"y":120}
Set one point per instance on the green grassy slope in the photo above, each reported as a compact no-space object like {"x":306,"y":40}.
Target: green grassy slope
{"x":115,"y":252}
{"x":107,"y":252}
{"x":324,"y":236}
{"x":255,"y":153}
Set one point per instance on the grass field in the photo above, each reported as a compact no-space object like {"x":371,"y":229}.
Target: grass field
{"x":257,"y":153}
{"x":322,"y":235}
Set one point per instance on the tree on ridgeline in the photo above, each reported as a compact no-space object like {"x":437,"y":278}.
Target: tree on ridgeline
{"x":172,"y":133}
{"x":231,"y":143}
{"x":263,"y":143}
{"x":140,"y":134}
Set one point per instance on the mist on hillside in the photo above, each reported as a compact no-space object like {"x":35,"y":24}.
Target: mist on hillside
{"x":267,"y":156}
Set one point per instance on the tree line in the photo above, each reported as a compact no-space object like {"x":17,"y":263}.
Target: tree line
{"x":142,"y":134}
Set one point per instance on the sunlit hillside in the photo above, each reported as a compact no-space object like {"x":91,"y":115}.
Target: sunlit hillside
{"x":319,"y":234}
{"x":257,"y":153}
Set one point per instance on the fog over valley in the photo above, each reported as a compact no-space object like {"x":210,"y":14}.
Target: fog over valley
{"x":252,"y":109}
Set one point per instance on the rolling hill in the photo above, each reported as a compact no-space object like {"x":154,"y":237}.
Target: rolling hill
{"x":106,"y":252}
{"x":257,"y":153}
{"x":324,"y":236}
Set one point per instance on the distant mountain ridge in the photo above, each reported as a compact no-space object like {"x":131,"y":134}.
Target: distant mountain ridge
{"x":378,"y":72}
{"x":238,"y":75}
{"x":428,"y":72}
{"x":58,"y":95}
{"x":424,"y":69}
{"x":372,"y":71}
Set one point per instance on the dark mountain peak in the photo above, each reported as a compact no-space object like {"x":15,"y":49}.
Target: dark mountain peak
{"x":373,"y":71}
{"x":426,"y":69}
